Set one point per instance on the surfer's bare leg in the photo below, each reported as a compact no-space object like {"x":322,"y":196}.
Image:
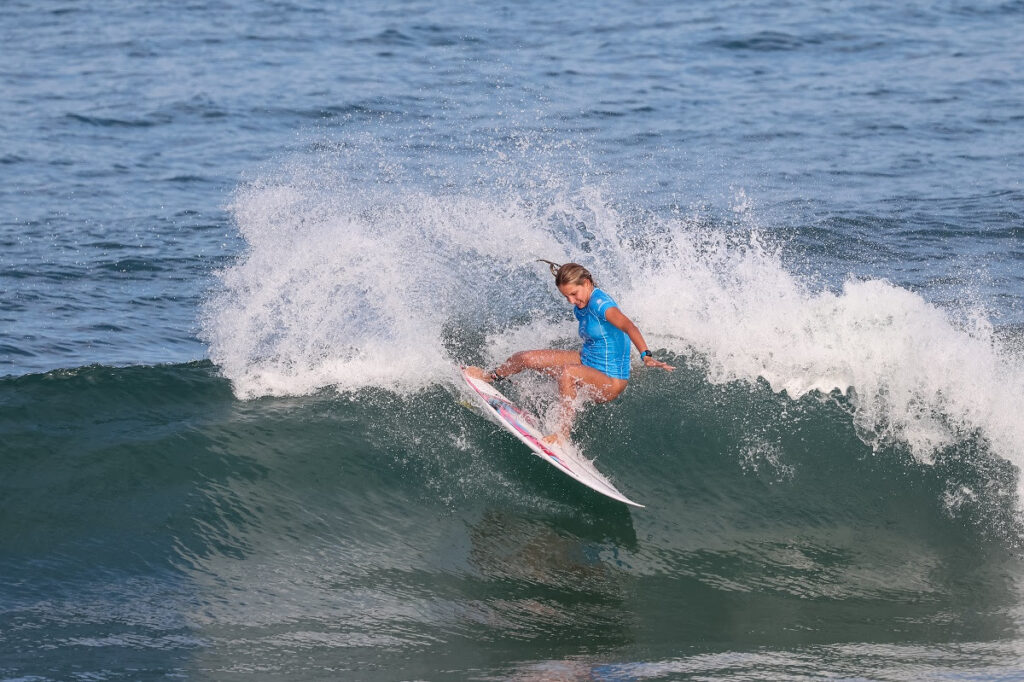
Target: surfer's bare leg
{"x":548,"y":361}
{"x":572,"y":376}
{"x":574,"y":379}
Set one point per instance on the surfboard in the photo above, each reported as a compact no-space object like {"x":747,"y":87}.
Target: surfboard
{"x":525,"y":427}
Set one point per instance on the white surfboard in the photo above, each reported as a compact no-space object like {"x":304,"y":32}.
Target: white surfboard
{"x":523,"y":426}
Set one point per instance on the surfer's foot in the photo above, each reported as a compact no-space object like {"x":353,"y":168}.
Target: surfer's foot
{"x":556,"y":439}
{"x":478,"y":373}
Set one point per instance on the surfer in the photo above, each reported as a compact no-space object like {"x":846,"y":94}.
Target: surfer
{"x":601,"y":368}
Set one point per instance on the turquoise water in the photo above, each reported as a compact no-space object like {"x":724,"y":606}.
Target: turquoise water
{"x":243,"y":248}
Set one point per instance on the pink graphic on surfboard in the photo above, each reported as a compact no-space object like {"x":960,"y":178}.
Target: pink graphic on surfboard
{"x":525,"y":427}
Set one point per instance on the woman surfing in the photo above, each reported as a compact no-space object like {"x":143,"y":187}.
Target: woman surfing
{"x":601,"y":368}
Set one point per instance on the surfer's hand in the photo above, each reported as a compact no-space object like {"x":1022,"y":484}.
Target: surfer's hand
{"x":651,"y":362}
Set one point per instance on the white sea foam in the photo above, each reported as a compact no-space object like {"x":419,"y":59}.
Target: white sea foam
{"x":337,"y":290}
{"x":912,"y":374}
{"x":357,"y":289}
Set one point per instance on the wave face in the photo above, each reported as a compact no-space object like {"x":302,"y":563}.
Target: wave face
{"x":150,"y":516}
{"x":351,"y":289}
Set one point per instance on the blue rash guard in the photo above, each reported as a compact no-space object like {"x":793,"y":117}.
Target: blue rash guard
{"x":605,"y":346}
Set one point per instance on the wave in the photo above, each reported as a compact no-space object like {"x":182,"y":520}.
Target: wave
{"x":353,"y":288}
{"x":151,"y":498}
{"x":124,"y":469}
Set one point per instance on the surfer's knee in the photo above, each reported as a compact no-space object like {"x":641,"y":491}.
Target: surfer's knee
{"x":611,"y":392}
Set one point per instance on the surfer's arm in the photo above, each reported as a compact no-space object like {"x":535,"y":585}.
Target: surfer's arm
{"x":618,"y":319}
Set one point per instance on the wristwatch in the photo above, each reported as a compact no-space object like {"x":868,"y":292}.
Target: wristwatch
{"x":646,"y":352}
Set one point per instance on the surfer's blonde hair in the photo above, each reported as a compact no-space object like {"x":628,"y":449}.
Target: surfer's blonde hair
{"x":568,"y":273}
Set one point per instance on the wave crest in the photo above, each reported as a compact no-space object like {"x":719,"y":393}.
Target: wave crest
{"x":352,"y":288}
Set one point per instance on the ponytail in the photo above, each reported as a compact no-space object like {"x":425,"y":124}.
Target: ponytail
{"x":552,"y":266}
{"x":568,"y":273}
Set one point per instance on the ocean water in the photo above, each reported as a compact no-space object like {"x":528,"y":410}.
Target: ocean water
{"x":245,"y":245}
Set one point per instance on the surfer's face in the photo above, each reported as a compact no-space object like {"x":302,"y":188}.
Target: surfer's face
{"x":577,"y":294}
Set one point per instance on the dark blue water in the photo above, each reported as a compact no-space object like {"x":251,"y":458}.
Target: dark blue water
{"x":243,"y":245}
